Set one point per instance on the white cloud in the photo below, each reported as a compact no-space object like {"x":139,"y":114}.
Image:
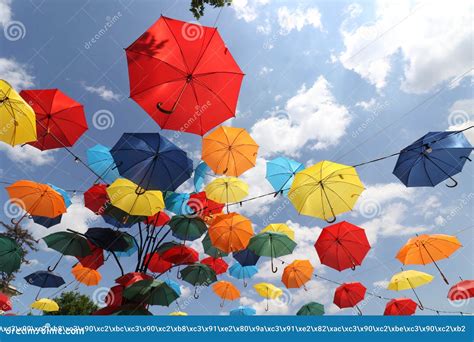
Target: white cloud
{"x":353,"y":10}
{"x":265,"y":71}
{"x":248,"y":10}
{"x":5,"y":12}
{"x":411,"y":29}
{"x":15,"y":73}
{"x":381,"y":283}
{"x":311,"y":116}
{"x":296,"y":19}
{"x":28,"y":155}
{"x":367,"y":105}
{"x":461,"y":116}
{"x":104,"y":93}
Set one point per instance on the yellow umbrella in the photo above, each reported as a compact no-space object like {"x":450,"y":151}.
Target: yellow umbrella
{"x":17,"y":118}
{"x":410,"y":279}
{"x":227,"y":190}
{"x":280,"y":228}
{"x":45,"y":304}
{"x":178,"y":313}
{"x":268,"y":291}
{"x":325,"y":190}
{"x":134,"y":200}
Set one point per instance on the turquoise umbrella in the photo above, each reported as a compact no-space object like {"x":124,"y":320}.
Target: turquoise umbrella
{"x":243,"y":272}
{"x":243,"y":311}
{"x":177,"y":203}
{"x":200,"y":174}
{"x":101,"y":162}
{"x":281,"y":172}
{"x":63,"y":193}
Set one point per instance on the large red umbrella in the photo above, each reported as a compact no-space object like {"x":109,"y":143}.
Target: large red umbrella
{"x":217,"y":264}
{"x":462,"y":290}
{"x":400,"y":307}
{"x":349,"y":294}
{"x":95,"y":198}
{"x":158,"y":220}
{"x":183,"y":76}
{"x":5,"y":303}
{"x":157,"y":264}
{"x":342,"y":245}
{"x":203,"y":206}
{"x":60,"y":120}
{"x":131,"y":278}
{"x":181,"y":255}
{"x":93,"y":260}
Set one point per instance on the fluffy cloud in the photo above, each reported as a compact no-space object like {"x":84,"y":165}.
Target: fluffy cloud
{"x":311,"y":116}
{"x":15,"y":73}
{"x":433,"y":39}
{"x":461,"y":116}
{"x":296,"y":19}
{"x":104,"y":93}
{"x":28,"y":155}
{"x":247,"y":10}
{"x":5,"y":12}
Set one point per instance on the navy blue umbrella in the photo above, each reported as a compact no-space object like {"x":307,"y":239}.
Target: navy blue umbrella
{"x":47,"y":221}
{"x":246,"y":257}
{"x":44,"y":279}
{"x":432,"y":159}
{"x":109,"y":239}
{"x":151,"y":161}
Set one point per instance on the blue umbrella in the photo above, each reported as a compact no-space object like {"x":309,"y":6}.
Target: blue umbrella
{"x":281,"y":172}
{"x":199,"y":175}
{"x":44,"y":279}
{"x":242,"y":272}
{"x":174,"y":285}
{"x":63,"y":193}
{"x":101,"y":162}
{"x":243,"y":311}
{"x":246,"y":257}
{"x":151,"y":161}
{"x":47,"y":221}
{"x":178,"y":203}
{"x":432,"y":159}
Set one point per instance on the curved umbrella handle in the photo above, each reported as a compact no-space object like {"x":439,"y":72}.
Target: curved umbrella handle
{"x":467,"y":158}
{"x":51,"y":269}
{"x":353,"y":267}
{"x":332,"y":220}
{"x":178,"y":274}
{"x":420,"y":306}
{"x":196,"y":295}
{"x":166,"y":111}
{"x":274,"y":268}
{"x":267,"y":307}
{"x":452,"y":185}
{"x":245,"y":283}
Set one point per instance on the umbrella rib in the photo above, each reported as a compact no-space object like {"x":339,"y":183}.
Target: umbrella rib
{"x":179,"y":46}
{"x":216,"y":94}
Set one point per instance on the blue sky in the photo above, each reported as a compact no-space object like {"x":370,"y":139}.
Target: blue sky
{"x":343,"y":81}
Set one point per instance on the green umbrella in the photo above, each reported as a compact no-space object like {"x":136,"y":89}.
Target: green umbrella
{"x":271,"y":244}
{"x":167,"y":245}
{"x":151,"y":292}
{"x":187,"y":228}
{"x":311,"y":309}
{"x":198,"y":275}
{"x":11,"y":255}
{"x":67,"y":244}
{"x":210,"y":250}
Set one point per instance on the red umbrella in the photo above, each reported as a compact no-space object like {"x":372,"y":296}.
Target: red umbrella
{"x":95,"y":259}
{"x":114,"y":297}
{"x":183,"y":76}
{"x":95,"y":198}
{"x":342,"y":245}
{"x":5,"y":303}
{"x":217,"y":264}
{"x":105,"y":311}
{"x":349,"y":294}
{"x":158,"y":220}
{"x":400,"y":307}
{"x":60,"y":120}
{"x":131,"y":278}
{"x":203,"y":206}
{"x":462,"y":290}
{"x":156,"y":264}
{"x":181,"y":255}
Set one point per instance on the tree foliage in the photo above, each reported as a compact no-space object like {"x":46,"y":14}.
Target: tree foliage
{"x":197,"y":6}
{"x":73,"y":303}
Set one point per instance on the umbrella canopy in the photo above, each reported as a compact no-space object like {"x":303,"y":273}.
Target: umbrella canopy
{"x":100,"y":160}
{"x":5,"y":303}
{"x":426,"y":249}
{"x":199,"y":175}
{"x":281,"y":173}
{"x":217,"y":264}
{"x":462,"y":290}
{"x":36,"y":199}
{"x":268,"y":291}
{"x":246,"y":257}
{"x":226,"y":290}
{"x":243,"y":272}
{"x":47,"y":222}
{"x":68,"y":244}
{"x":45,"y":304}
{"x":174,"y":285}
{"x":108,"y":239}
{"x":120,"y":218}
{"x":272,"y":245}
{"x":63,"y":193}
{"x":11,"y":255}
{"x":152,"y":292}
{"x":95,"y":259}
{"x":243,"y":311}
{"x":60,"y":120}
{"x":231,"y":232}
{"x":180,"y":255}
{"x":297,"y":274}
{"x":133,"y":199}
{"x":325,"y":190}
{"x":209,"y":249}
{"x":45,"y":279}
{"x":400,"y":307}
{"x":132,"y":246}
{"x":17,"y":118}
{"x":432,"y":159}
{"x":202,"y":206}
{"x":178,"y":313}
{"x":408,"y":280}
{"x":114,"y":296}
{"x":158,"y":220}
{"x":151,"y":161}
{"x":348,"y":295}
{"x":198,"y":275}
{"x":227,"y":190}
{"x":229,"y":151}
{"x":177,"y":203}
{"x":311,"y":309}
{"x":131,"y":278}
{"x":85,"y":275}
{"x":187,"y":228}
{"x":156,"y":263}
{"x":195,"y":81}
{"x":96,"y":198}
{"x":280,"y":228}
{"x":342,"y":245}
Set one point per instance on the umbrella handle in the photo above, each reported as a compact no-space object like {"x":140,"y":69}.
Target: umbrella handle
{"x":467,"y":158}
{"x":196,"y":295}
{"x":245,"y":283}
{"x":170,"y":111}
{"x":421,"y":307}
{"x":359,"y":311}
{"x":267,"y":307}
{"x":332,"y":220}
{"x":51,"y":269}
{"x":178,"y":274}
{"x":274,"y":269}
{"x":452,"y":185}
{"x":161,"y":109}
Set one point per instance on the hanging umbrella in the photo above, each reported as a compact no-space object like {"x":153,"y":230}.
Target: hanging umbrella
{"x":85,"y":275}
{"x":230,"y":232}
{"x":96,"y":198}
{"x":102,"y":163}
{"x":177,"y":203}
{"x":217,"y":264}
{"x":281,"y":173}
{"x":209,"y":249}
{"x":272,"y":245}
{"x":131,"y":278}
{"x":180,"y":255}
{"x":156,"y":263}
{"x":63,"y":193}
{"x":60,"y":120}
{"x":268,"y":291}
{"x":108,"y":239}
{"x":45,"y":304}
{"x":226,"y":290}
{"x":348,"y":295}
{"x":297,"y":274}
{"x":198,"y":275}
{"x":280,"y":228}
{"x":5,"y":303}
{"x":47,"y":222}
{"x":432,"y":159}
{"x":95,"y":259}
{"x":243,"y":311}
{"x":152,"y":292}
{"x":174,"y":285}
{"x":166,"y":246}
{"x":246,"y":257}
{"x":195,"y":81}
{"x":311,"y":309}
{"x":342,"y":245}
{"x":199,"y":175}
{"x":120,"y":218}
{"x":67,"y":244}
{"x":187,"y":228}
{"x":426,"y":249}
{"x":400,"y":307}
{"x":202,"y":206}
{"x":178,"y":313}
{"x":242,"y":272}
{"x":227,"y":190}
{"x":17,"y":118}
{"x":114,"y":297}
{"x":44,"y":279}
{"x":408,"y":280}
{"x":133,"y":199}
{"x":158,"y":220}
{"x":11,"y":255}
{"x":462,"y":290}
{"x":325,"y":190}
{"x":151,"y":161}
{"x":132,"y":246}
{"x":229,"y":151}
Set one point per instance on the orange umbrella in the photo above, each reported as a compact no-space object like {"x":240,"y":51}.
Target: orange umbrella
{"x":230,"y":232}
{"x":85,"y":275}
{"x":226,"y":290}
{"x":229,"y":150}
{"x":426,"y":249}
{"x":36,"y":199}
{"x":297,"y":274}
